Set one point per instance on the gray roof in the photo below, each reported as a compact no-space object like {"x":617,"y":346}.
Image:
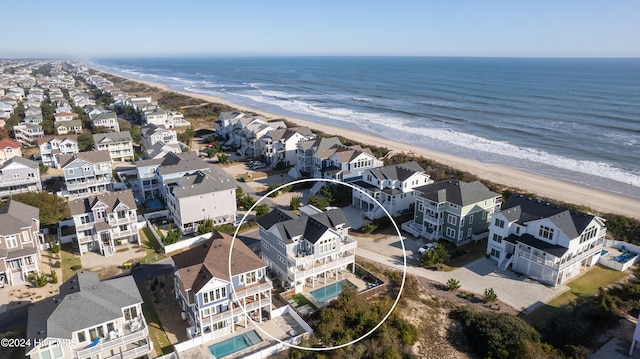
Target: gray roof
{"x":276,"y":216}
{"x":112,"y":137}
{"x":397,"y":172}
{"x":203,"y":183}
{"x":456,"y":192}
{"x":21,"y":160}
{"x":110,"y":199}
{"x":14,"y":216}
{"x":180,"y":162}
{"x":529,"y":240}
{"x":72,"y":123}
{"x":286,"y":133}
{"x":87,"y":156}
{"x":319,"y":143}
{"x":84,"y":302}
{"x":311,"y":228}
{"x":105,"y":116}
{"x":522,"y":209}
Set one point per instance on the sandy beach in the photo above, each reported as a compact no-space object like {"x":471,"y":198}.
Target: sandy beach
{"x":598,"y":200}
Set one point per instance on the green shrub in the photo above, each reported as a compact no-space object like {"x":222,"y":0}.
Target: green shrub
{"x":435,"y":256}
{"x":453,"y":284}
{"x":489,"y":295}
{"x":39,"y":280}
{"x":76,"y":267}
{"x":53,"y":277}
{"x":295,"y":202}
{"x":206,"y":226}
{"x":54,"y":247}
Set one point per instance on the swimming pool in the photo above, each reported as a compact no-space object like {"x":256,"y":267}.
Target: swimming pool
{"x":604,"y":252}
{"x":330,"y":291}
{"x":232,"y":345}
{"x":153,"y":204}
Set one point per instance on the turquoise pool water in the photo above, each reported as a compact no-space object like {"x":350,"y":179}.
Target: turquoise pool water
{"x":329,"y":292}
{"x":232,"y":345}
{"x":154,"y":204}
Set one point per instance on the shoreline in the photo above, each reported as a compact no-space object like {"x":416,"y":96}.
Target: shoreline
{"x":598,"y":200}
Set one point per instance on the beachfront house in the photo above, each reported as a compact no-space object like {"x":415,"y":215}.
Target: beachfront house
{"x":199,"y":196}
{"x":67,"y":127}
{"x":86,"y":173}
{"x":107,"y":120}
{"x":19,"y":242}
{"x":392,"y":186}
{"x":546,"y":242}
{"x":104,"y":221}
{"x":27,"y":133}
{"x":204,"y":287}
{"x":155,"y":116}
{"x":453,"y":210}
{"x":52,"y":146}
{"x":306,"y":249}
{"x":19,"y":175}
{"x":89,"y":318}
{"x":228,"y":122}
{"x":152,"y":174}
{"x":118,"y":144}
{"x":278,"y":146}
{"x":342,"y":163}
{"x":305,"y":151}
{"x":9,"y":149}
{"x":252,"y":132}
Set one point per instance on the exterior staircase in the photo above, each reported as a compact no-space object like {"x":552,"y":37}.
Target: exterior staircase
{"x":317,"y":187}
{"x":505,"y":262}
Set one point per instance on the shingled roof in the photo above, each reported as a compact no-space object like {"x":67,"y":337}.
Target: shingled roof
{"x":84,"y":302}
{"x":110,"y":199}
{"x":456,"y":192}
{"x":397,"y":172}
{"x":14,"y":216}
{"x":311,"y":228}
{"x":198,"y":265}
{"x":522,"y":209}
{"x":88,"y":156}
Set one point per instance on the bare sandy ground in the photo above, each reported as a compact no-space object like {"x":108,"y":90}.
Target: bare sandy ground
{"x":598,"y":200}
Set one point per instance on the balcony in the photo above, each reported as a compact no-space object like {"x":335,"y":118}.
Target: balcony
{"x":129,"y":338}
{"x":252,"y":289}
{"x":114,"y":221}
{"x":88,"y":239}
{"x":329,"y":264}
{"x":76,"y":185}
{"x":304,"y":259}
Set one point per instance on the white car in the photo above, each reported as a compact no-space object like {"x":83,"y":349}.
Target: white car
{"x":426,"y":247}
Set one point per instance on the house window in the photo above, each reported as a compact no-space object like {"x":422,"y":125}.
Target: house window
{"x":130,"y":313}
{"x":97,"y":332}
{"x":123,"y":228}
{"x":122,"y":214}
{"x":546,"y":232}
{"x":281,"y":259}
{"x":250,"y":278}
{"x":462,"y":222}
{"x":469,"y":233}
{"x":470,"y":219}
{"x":451,"y":233}
{"x":499,"y":223}
{"x":11,"y":241}
{"x":497,"y":238}
{"x":495,"y":253}
{"x":484,"y":214}
{"x":451,"y":219}
{"x":517,"y":230}
{"x":81,"y":336}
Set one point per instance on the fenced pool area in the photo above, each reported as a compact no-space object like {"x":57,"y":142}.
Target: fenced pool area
{"x":330,"y":291}
{"x":154,"y":204}
{"x":234,"y":344}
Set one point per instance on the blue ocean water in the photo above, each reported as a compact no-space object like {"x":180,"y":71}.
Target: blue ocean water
{"x":573,"y":119}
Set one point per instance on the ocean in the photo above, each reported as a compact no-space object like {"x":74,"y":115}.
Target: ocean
{"x":571,"y":119}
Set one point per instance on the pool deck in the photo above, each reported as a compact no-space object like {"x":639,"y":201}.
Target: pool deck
{"x":281,"y":327}
{"x":308,"y":287}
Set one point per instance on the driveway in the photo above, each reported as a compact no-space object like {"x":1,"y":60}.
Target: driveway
{"x":517,"y":291}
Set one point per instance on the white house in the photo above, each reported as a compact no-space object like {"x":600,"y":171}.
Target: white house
{"x":392,"y":186}
{"x":278,"y":147}
{"x":546,"y":242}
{"x":119,"y":145}
{"x":306,"y":249}
{"x":51,"y":146}
{"x":204,"y":287}
{"x":89,"y":318}
{"x":108,"y":120}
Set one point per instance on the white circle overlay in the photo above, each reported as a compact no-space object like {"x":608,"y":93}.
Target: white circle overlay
{"x":404,"y":268}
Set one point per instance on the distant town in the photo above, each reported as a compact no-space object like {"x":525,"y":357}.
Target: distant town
{"x":133,"y":228}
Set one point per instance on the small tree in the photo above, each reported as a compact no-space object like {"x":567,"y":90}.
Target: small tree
{"x":239,"y":192}
{"x":206,"y":226}
{"x":295,"y":202}
{"x":261,"y":210}
{"x":437,"y":255}
{"x":39,"y":280}
{"x":53,"y":276}
{"x":43,"y":169}
{"x":247,"y":201}
{"x":489,"y":295}
{"x":171,"y":237}
{"x":453,"y":284}
{"x":319,"y":202}
{"x":223,"y":158}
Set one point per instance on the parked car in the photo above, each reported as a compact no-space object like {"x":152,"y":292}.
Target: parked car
{"x":257,"y":165}
{"x":426,"y":247}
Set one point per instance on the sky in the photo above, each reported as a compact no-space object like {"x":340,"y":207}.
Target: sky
{"x":142,"y":28}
